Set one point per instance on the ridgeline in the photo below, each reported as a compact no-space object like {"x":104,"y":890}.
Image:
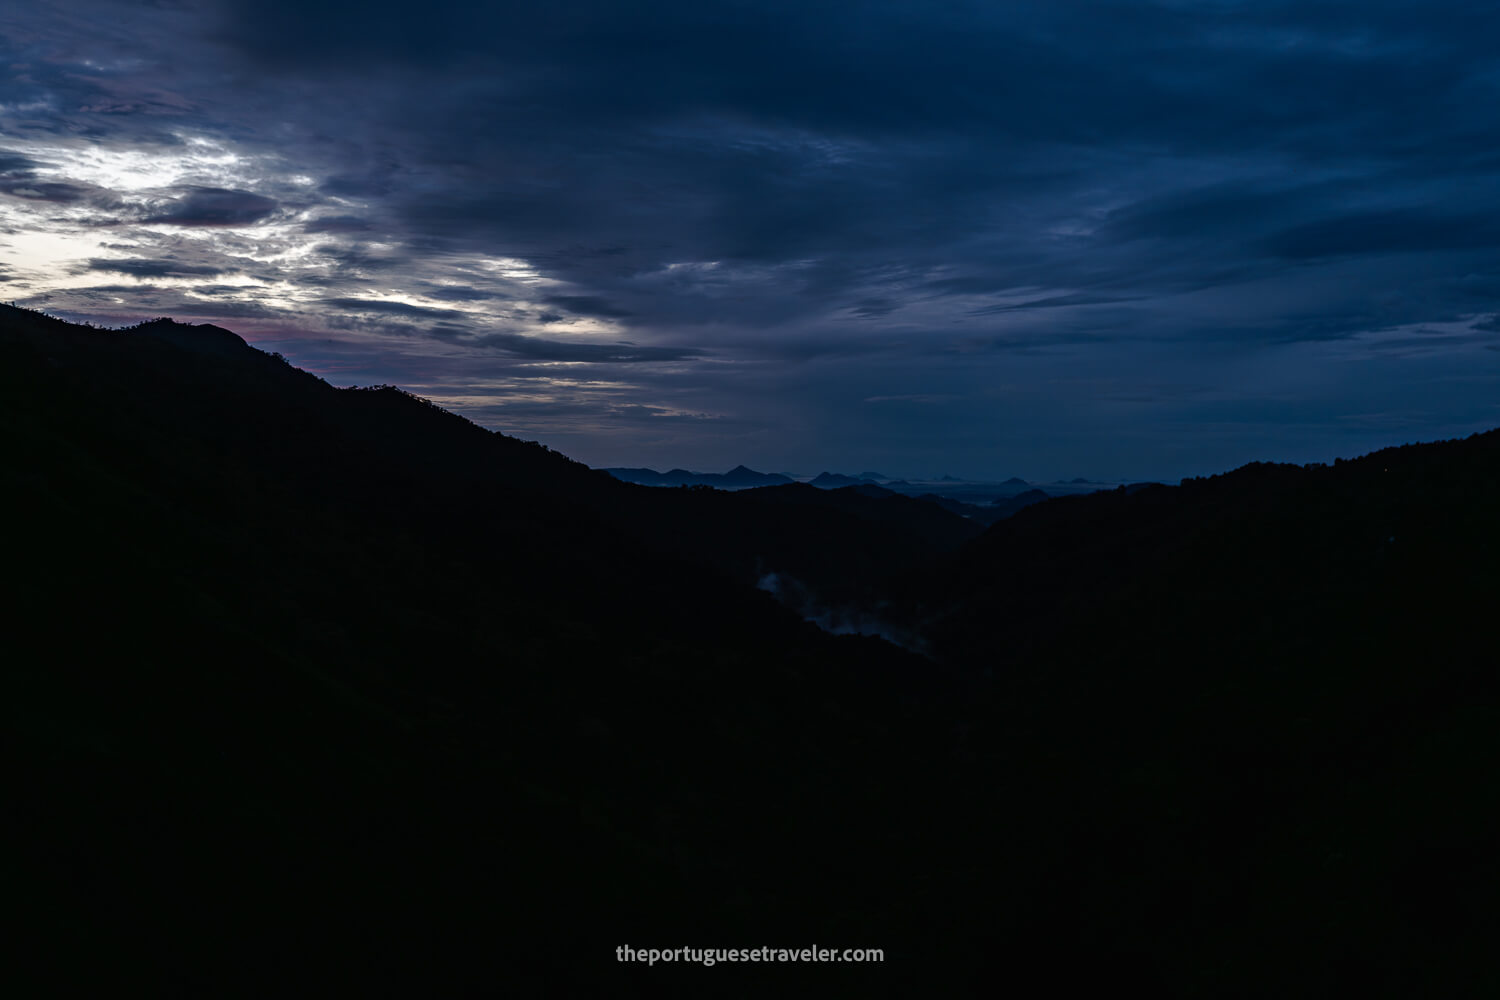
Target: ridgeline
{"x":331,"y":687}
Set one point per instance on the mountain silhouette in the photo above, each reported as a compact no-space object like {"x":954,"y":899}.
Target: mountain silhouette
{"x":203,"y":338}
{"x":304,"y":664}
{"x":835,"y":480}
{"x":333,"y":685}
{"x":739,"y":477}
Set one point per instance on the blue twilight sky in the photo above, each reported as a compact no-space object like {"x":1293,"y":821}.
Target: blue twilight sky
{"x":1075,"y":237}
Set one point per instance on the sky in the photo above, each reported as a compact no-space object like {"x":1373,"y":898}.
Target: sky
{"x":1145,"y":239}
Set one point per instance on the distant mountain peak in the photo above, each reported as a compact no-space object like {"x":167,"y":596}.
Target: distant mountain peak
{"x":739,"y":477}
{"x":830,"y":480}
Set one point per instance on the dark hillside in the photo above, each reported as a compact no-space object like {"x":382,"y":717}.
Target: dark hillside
{"x":1272,"y":695}
{"x":322,"y":685}
{"x":330,"y":683}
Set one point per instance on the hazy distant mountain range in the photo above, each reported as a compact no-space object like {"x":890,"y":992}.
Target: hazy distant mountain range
{"x":738,"y":478}
{"x":333,"y":686}
{"x":741,"y":477}
{"x":982,"y":502}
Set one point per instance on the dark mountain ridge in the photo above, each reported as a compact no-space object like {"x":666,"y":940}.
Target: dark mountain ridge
{"x":1280,"y":680}
{"x":307,"y":654}
{"x":334,"y":686}
{"x":737,"y":478}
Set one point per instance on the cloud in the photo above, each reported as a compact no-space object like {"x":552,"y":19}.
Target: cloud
{"x":13,"y":163}
{"x":389,"y":308}
{"x":540,"y":349}
{"x":587,"y":305}
{"x":1051,"y":302}
{"x":57,"y":192}
{"x":141,"y":268}
{"x":210,"y":206}
{"x":337,"y":224}
{"x":1394,"y":230}
{"x":811,"y":204}
{"x":19,"y":179}
{"x":461,"y":293}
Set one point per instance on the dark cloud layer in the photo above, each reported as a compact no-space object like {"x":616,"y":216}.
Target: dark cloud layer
{"x":208,"y":206}
{"x":154,"y":268}
{"x":974,"y":215}
{"x":18,"y":179}
{"x":540,"y":349}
